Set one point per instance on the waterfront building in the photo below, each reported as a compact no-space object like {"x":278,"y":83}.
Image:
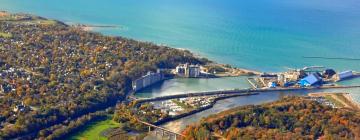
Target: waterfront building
{"x":310,"y":80}
{"x":186,"y":70}
{"x":149,"y":79}
{"x":193,"y":71}
{"x":272,"y":85}
{"x":329,"y":73}
{"x":345,"y":74}
{"x":295,"y":75}
{"x":181,"y":70}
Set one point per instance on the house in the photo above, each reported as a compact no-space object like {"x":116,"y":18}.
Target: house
{"x":310,"y":80}
{"x":20,"y":108}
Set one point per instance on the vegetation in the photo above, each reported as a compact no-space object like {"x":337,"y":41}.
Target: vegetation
{"x":128,"y":116}
{"x":5,"y":35}
{"x":182,"y":105}
{"x":95,"y":130}
{"x":336,"y":102}
{"x":62,"y":130}
{"x":57,"y":74}
{"x":215,"y":69}
{"x":289,"y":118}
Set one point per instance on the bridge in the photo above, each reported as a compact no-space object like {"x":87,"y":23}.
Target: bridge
{"x":240,"y":92}
{"x":163,"y":131}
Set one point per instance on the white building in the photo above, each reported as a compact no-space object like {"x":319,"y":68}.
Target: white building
{"x":149,"y":79}
{"x":345,"y":74}
{"x":186,"y":70}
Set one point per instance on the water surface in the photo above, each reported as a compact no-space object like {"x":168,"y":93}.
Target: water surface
{"x":264,"y":35}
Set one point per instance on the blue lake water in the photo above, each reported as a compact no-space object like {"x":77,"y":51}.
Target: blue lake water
{"x":264,"y":35}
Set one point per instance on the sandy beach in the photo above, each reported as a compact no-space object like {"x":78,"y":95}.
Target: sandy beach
{"x":350,"y":98}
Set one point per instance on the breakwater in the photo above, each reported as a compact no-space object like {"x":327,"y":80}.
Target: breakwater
{"x":332,"y":58}
{"x":231,"y":91}
{"x":163,"y":121}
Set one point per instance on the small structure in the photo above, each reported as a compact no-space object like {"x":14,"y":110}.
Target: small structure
{"x":266,"y":75}
{"x":310,"y":80}
{"x":272,"y":85}
{"x":345,"y":75}
{"x":149,"y":79}
{"x":329,"y":73}
{"x":186,"y":70}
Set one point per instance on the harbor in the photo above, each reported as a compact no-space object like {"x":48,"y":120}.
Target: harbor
{"x":313,"y":76}
{"x":266,"y":94}
{"x":234,"y":35}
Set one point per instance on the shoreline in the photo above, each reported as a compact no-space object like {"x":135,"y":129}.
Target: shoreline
{"x":345,"y":99}
{"x":352,"y":101}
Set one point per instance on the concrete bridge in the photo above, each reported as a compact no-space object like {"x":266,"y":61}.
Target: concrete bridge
{"x":243,"y":92}
{"x":163,"y":132}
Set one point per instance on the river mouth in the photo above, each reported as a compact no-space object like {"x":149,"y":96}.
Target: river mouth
{"x":181,"y":86}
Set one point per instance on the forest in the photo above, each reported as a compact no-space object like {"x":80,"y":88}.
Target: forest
{"x":53,"y":73}
{"x":288,"y":118}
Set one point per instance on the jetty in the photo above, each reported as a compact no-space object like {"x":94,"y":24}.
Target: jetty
{"x":332,"y":58}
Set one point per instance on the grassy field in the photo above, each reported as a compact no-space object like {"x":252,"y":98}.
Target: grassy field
{"x":336,"y":102}
{"x":93,"y":130}
{"x":46,"y":22}
{"x":5,"y":35}
{"x":183,"y":105}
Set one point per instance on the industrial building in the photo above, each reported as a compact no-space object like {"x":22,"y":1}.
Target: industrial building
{"x":149,"y":79}
{"x":310,"y":80}
{"x":345,"y":75}
{"x":186,"y":70}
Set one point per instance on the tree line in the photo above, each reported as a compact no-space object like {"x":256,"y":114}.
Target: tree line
{"x":289,"y":118}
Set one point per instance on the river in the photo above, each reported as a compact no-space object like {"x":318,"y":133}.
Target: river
{"x":177,"y":86}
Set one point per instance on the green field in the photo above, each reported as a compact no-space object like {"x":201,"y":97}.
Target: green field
{"x":93,"y":130}
{"x":5,"y":35}
{"x":45,"y":22}
{"x":336,"y":102}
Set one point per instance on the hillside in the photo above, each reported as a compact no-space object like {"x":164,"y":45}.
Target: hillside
{"x":52,"y":73}
{"x":289,"y":118}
